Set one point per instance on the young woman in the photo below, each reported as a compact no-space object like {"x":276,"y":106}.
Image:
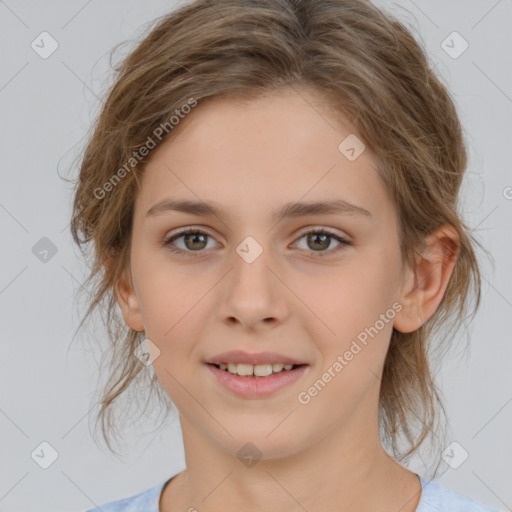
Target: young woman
{"x":271,"y":193}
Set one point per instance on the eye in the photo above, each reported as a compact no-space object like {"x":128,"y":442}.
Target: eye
{"x":195,"y":241}
{"x":320,"y":240}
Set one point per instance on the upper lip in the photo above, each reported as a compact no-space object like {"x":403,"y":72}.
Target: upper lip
{"x":239,"y":356}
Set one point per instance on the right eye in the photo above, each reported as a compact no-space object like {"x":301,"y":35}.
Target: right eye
{"x":194,"y":239}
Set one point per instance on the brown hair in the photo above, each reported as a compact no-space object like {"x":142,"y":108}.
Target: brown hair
{"x":371,"y":70}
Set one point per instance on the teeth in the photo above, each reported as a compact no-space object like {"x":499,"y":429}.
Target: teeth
{"x":242,"y":369}
{"x":262,"y":370}
{"x":259,"y":370}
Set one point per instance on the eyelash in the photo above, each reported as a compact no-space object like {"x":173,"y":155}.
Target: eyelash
{"x":191,"y":230}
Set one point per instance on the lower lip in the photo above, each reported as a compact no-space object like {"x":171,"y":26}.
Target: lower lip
{"x":256,"y":387}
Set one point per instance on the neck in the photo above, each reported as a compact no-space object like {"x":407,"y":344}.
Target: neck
{"x":342,"y":472}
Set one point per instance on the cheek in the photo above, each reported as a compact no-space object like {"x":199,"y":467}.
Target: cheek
{"x":352,"y":359}
{"x":174,"y":316}
{"x":175,"y":333}
{"x":354,"y":297}
{"x":356,"y":306}
{"x":168,"y":295}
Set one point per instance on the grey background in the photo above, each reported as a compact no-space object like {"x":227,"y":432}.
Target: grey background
{"x":47,"y":106}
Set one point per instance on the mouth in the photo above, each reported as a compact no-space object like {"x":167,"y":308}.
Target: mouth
{"x":256,"y":381}
{"x":256,"y":371}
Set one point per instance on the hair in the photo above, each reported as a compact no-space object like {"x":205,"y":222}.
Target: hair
{"x":371,"y":70}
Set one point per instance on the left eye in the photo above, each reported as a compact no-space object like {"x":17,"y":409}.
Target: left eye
{"x":321,"y":239}
{"x":195,"y":240}
{"x":191,"y":237}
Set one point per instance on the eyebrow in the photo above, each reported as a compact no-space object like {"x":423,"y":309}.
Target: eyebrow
{"x":204,"y":209}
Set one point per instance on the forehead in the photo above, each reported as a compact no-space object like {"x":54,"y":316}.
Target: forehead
{"x":251,"y":155}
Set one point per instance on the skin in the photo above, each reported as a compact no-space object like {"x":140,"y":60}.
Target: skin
{"x":250,"y":158}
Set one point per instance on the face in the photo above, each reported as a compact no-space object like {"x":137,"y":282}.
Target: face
{"x":318,"y":288}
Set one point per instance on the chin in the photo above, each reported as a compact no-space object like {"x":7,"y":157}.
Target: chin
{"x":263,"y":441}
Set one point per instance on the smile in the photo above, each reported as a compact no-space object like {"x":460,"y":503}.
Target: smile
{"x":258,"y":370}
{"x":249,"y":384}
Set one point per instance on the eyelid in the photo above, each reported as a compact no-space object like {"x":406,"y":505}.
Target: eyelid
{"x":180,"y":232}
{"x":197,"y":228}
{"x":341,"y":239}
{"x":186,"y":230}
{"x":317,"y":229}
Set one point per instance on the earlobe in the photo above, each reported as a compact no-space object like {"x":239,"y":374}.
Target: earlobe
{"x":425,"y":285}
{"x":129,"y":304}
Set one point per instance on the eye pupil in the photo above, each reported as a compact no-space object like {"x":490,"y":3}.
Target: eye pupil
{"x":194,"y":240}
{"x":325,"y":238}
{"x":195,"y":237}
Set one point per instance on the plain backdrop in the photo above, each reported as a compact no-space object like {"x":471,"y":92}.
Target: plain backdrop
{"x":46,"y":382}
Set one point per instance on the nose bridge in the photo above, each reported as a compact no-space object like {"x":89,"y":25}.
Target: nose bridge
{"x":252,"y":293}
{"x":251,"y":274}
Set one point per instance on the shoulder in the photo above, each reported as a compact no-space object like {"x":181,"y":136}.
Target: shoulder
{"x":437,"y":497}
{"x":146,"y":501}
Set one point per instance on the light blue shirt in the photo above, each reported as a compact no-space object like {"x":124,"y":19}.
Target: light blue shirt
{"x":435,"y":497}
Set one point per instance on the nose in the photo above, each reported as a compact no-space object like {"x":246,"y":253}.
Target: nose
{"x":253,"y":295}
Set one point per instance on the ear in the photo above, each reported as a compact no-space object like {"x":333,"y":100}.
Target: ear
{"x":129,"y":303}
{"x":424,"y":286}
